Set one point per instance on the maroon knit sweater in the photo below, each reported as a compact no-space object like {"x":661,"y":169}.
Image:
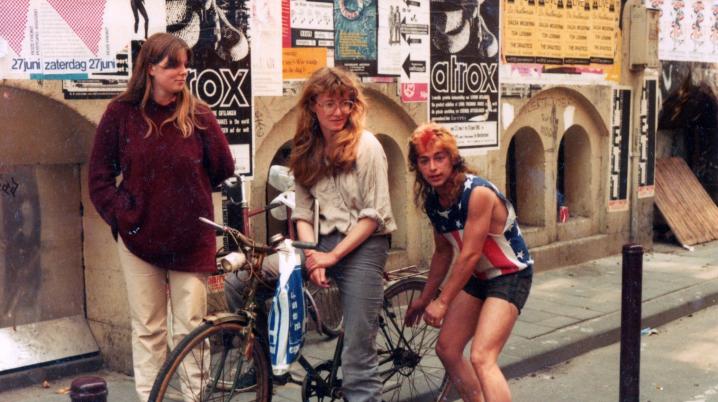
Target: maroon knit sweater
{"x":166,"y":184}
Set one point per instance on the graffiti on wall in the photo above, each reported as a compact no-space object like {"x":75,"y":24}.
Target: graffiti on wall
{"x":20,"y":243}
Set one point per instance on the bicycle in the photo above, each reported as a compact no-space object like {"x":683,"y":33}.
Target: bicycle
{"x":210,"y":362}
{"x":408,"y":365}
{"x":323,"y":304}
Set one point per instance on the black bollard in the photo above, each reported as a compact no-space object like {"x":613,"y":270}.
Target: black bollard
{"x":88,"y":389}
{"x":632,"y":281}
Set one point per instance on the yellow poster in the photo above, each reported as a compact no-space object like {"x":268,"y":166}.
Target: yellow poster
{"x":300,"y":62}
{"x":604,"y":28}
{"x":519,"y":30}
{"x":550,"y":29}
{"x":577,"y":29}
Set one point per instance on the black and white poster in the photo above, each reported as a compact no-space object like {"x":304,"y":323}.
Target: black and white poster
{"x":464,"y":93}
{"x":647,"y":140}
{"x":220,"y":72}
{"x":618,"y":150}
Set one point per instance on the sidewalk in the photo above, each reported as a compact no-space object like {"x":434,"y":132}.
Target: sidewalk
{"x":570,"y":311}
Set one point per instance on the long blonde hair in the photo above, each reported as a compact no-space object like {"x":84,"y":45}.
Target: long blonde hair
{"x":139,"y":90}
{"x":307,"y":160}
{"x":424,"y":137}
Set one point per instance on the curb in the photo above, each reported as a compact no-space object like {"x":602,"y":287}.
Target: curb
{"x":606,"y":330}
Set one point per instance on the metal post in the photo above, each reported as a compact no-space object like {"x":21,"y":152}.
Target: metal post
{"x":632,"y":280}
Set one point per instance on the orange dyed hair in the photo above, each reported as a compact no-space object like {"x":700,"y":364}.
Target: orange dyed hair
{"x":425,"y":137}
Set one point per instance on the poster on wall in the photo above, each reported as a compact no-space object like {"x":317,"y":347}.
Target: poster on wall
{"x":220,"y":72}
{"x":307,"y":25}
{"x":72,"y":40}
{"x":266,"y":42}
{"x":577,"y":27}
{"x":389,"y":40}
{"x":688,"y":30}
{"x":550,"y":32}
{"x":578,"y":39}
{"x":141,"y":19}
{"x":519,"y":31}
{"x":647,"y":139}
{"x":355,"y":36}
{"x":464,"y":92}
{"x":604,"y":17}
{"x":414,"y":51}
{"x":619,"y":150}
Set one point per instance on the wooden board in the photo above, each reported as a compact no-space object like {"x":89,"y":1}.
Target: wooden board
{"x":687,"y":207}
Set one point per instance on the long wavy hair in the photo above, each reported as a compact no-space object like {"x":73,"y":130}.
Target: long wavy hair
{"x":139,"y":90}
{"x":427,"y":136}
{"x":310,"y":159}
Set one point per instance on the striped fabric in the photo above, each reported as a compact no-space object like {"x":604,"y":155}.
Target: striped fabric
{"x":503,"y":253}
{"x":85,"y":18}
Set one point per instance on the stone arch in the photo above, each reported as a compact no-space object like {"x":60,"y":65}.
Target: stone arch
{"x":551,"y":113}
{"x":526,"y":176}
{"x":398,"y":183}
{"x":574,"y":176}
{"x":43,"y":148}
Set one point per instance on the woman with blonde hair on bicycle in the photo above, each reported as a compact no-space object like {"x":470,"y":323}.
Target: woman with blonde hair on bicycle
{"x":171,"y":153}
{"x":341,"y":165}
{"x":483,"y":293}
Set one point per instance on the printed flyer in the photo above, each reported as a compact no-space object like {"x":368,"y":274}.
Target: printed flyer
{"x":464,"y":71}
{"x":355,"y":35}
{"x":619,"y":151}
{"x":414,"y":51}
{"x":73,"y":40}
{"x":220,"y":72}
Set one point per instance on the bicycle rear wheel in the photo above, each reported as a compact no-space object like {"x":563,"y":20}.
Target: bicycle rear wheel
{"x":409,"y":367}
{"x":328,"y":304}
{"x":211,"y":364}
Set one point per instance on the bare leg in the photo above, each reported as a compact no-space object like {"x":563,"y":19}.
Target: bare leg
{"x":133,"y":3}
{"x":458,"y":328}
{"x":494,"y":326}
{"x":143,"y":11}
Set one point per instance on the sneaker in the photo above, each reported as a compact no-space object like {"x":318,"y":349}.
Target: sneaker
{"x":245,"y":382}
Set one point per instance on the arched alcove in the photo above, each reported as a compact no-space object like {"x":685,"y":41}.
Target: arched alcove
{"x":574,"y":172}
{"x":526,"y":177}
{"x":397,"y":185}
{"x":43,"y":147}
{"x":549,"y":115}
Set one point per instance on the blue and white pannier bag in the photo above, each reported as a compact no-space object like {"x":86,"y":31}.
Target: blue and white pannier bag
{"x":286,"y":319}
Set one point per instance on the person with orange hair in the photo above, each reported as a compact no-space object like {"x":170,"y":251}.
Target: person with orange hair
{"x":342,"y":166}
{"x":487,"y":285}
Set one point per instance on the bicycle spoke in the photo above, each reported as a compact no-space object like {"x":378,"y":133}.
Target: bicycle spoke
{"x":207,"y":367}
{"x":415,"y":372}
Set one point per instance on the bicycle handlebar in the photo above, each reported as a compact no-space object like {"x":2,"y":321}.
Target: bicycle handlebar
{"x":246,"y":241}
{"x":307,"y":245}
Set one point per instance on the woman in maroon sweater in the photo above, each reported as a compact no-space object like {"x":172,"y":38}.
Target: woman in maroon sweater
{"x":171,"y":152}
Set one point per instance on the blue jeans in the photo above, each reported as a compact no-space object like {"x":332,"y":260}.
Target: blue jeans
{"x":359,"y":277}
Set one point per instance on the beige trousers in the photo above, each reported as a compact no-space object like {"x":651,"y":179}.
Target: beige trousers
{"x":148,"y":288}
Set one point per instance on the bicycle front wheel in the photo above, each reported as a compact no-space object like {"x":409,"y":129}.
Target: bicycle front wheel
{"x":409,"y":367}
{"x":215,"y":362}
